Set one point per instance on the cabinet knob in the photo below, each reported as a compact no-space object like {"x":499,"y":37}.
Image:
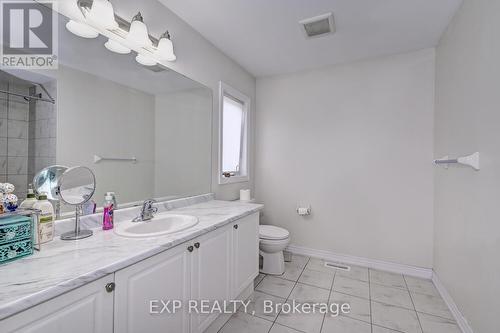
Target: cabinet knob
{"x":197,"y":245}
{"x":110,"y":287}
{"x":190,"y":248}
{"x":235,"y":226}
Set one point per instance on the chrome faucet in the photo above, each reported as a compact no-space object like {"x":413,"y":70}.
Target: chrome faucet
{"x":147,"y":211}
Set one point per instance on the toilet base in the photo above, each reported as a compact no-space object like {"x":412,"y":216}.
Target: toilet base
{"x":272,"y":263}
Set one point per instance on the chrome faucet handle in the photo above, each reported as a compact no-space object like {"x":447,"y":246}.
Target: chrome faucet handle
{"x":148,"y":210}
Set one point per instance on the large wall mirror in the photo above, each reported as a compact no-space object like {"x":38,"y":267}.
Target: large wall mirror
{"x":145,"y":132}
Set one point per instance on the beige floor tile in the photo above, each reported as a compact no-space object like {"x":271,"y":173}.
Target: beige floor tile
{"x":292,"y":272}
{"x":277,"y":328}
{"x":305,"y":322}
{"x":421,"y":286}
{"x":308,"y":294}
{"x":242,"y":323}
{"x":256,"y":306}
{"x":359,"y":307}
{"x":317,"y":278}
{"x":431,"y":305}
{"x":391,"y":296}
{"x":433,"y":324}
{"x":396,"y":318}
{"x":344,"y":325}
{"x":351,"y":287}
{"x":275,"y":286}
{"x":387,"y":279}
{"x":356,"y":273}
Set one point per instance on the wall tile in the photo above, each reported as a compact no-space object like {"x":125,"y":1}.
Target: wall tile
{"x":3,"y":128}
{"x":3,"y":146}
{"x":42,"y":128}
{"x":18,"y":147}
{"x":19,"y":181}
{"x":42,"y":147}
{"x":17,"y":129}
{"x":3,"y":165}
{"x":17,"y":165}
{"x":18,"y":110}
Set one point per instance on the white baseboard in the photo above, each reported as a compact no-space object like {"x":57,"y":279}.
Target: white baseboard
{"x":459,"y":318}
{"x":424,"y":273}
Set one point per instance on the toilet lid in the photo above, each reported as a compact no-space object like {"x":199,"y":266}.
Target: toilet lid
{"x":272,"y":232}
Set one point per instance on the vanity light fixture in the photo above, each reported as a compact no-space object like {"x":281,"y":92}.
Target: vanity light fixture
{"x":138,"y":33}
{"x":81,"y":29}
{"x":116,"y":47}
{"x":145,"y":60}
{"x":76,"y":23}
{"x":165,"y":48}
{"x":102,"y":14}
{"x":89,"y":18}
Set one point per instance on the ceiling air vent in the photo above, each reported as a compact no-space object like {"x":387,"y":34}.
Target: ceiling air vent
{"x":318,"y":26}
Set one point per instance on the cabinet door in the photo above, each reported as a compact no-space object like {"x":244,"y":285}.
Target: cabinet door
{"x":245,"y":252}
{"x":84,"y":310}
{"x":162,"y":277}
{"x":211,"y":273}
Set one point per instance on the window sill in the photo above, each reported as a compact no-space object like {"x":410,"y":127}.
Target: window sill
{"x":232,"y":180}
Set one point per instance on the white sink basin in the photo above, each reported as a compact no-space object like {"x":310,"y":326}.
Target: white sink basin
{"x":161,"y":224}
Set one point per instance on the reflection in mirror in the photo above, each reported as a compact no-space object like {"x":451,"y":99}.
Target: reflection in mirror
{"x":107,"y":104}
{"x":75,"y":187}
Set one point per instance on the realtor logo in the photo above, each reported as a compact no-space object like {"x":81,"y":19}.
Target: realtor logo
{"x":28,"y":34}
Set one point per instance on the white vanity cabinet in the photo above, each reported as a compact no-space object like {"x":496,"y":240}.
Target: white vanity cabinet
{"x":88,"y":309}
{"x":218,"y":265}
{"x":211,"y":273}
{"x":144,"y":285}
{"x":245,"y":238}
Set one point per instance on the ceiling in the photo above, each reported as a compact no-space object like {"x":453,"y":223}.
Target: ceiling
{"x":265,"y":38}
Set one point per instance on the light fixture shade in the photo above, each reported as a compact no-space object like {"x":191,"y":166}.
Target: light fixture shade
{"x":116,"y":47}
{"x":165,"y":50}
{"x":102,"y":14}
{"x":145,"y":60}
{"x":81,"y":29}
{"x":138,"y":33}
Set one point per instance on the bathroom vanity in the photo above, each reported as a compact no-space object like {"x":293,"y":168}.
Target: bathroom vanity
{"x":106,"y":283}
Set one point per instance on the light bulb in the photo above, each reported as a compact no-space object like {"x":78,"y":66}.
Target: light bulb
{"x":102,"y":14}
{"x":145,"y":60}
{"x":81,"y":29}
{"x":116,"y":47}
{"x":165,"y":50}
{"x":138,"y":33}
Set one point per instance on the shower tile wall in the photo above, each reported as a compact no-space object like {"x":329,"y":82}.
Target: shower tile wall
{"x":27,"y":133}
{"x":14,"y":124}
{"x":42,"y":132}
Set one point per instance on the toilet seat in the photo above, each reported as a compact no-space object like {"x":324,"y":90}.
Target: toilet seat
{"x":271,"y":232}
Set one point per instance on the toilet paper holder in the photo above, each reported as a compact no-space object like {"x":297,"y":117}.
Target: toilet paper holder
{"x":304,"y":211}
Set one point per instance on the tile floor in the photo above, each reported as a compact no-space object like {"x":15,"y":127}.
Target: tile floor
{"x":381,"y":302}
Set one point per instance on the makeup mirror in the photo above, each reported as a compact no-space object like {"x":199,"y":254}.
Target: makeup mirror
{"x":75,"y":187}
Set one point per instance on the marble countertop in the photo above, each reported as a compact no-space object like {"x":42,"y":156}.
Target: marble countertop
{"x":65,"y":265}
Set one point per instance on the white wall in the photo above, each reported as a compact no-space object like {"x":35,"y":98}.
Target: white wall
{"x":106,"y":118}
{"x":200,"y":60}
{"x":467,"y":217}
{"x":182,"y":151}
{"x":354,"y":141}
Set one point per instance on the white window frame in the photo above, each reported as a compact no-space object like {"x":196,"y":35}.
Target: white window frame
{"x":225,"y":89}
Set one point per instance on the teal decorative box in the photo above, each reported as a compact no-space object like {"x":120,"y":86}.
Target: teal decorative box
{"x":16,"y":237}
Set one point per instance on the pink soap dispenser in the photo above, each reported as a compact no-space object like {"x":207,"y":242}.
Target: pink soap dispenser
{"x":107,"y":216}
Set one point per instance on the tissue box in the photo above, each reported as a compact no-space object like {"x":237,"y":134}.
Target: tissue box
{"x":16,"y":237}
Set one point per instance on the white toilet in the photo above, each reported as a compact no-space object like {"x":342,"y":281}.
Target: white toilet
{"x":273,"y":240}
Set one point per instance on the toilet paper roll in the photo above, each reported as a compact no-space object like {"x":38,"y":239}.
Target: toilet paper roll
{"x":302,"y":211}
{"x":245,"y":195}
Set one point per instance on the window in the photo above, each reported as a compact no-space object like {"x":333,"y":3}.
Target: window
{"x":233,"y":164}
